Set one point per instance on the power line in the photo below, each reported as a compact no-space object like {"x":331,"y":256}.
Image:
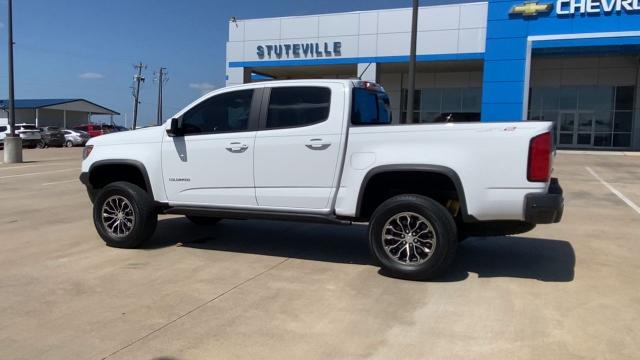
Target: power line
{"x":161,"y":78}
{"x":138,"y":78}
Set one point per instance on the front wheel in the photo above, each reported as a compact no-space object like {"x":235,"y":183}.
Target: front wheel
{"x":68,"y":143}
{"x":413,"y":237}
{"x":124,"y":215}
{"x":42,"y":144}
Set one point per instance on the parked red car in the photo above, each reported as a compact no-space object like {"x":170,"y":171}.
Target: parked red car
{"x":96,"y":129}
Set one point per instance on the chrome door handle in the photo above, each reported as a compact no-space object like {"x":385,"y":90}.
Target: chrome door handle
{"x":237,"y":147}
{"x":317,"y":144}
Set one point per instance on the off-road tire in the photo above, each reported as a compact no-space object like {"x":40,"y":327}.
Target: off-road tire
{"x":443,"y":228}
{"x":145,"y":217}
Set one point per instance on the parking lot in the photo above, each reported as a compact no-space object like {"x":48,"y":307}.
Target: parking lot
{"x":257,"y":289}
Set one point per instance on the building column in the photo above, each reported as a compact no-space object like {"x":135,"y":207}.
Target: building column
{"x":635,"y":135}
{"x":89,"y":118}
{"x":368,"y":72}
{"x":37,"y":116}
{"x":64,"y":119}
{"x":238,"y":75}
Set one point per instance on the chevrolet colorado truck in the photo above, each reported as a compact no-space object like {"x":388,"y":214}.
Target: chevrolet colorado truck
{"x":326,"y":151}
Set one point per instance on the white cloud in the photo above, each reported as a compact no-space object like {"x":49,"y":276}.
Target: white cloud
{"x":91,"y":76}
{"x":204,"y":87}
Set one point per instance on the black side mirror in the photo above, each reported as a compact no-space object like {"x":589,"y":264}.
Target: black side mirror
{"x":176,"y":127}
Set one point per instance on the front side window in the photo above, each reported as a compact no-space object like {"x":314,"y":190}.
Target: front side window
{"x":3,"y":128}
{"x":298,"y":106}
{"x":370,"y":108}
{"x":228,"y":112}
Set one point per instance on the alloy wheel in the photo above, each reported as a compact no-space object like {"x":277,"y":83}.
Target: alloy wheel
{"x":408,"y":238}
{"x":118,"y":216}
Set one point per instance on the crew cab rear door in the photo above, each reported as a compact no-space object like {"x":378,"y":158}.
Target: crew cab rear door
{"x":298,"y":145}
{"x":212,"y":163}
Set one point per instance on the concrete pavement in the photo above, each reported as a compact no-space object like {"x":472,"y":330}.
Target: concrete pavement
{"x":257,"y":289}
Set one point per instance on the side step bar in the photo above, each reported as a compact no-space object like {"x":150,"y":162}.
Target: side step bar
{"x":254,"y":214}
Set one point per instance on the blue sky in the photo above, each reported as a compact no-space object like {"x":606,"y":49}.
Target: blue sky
{"x":87,"y":48}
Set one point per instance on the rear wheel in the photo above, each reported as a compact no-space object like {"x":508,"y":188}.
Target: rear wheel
{"x":203,"y":220}
{"x":42,"y":144}
{"x":124,"y":215}
{"x":413,"y":237}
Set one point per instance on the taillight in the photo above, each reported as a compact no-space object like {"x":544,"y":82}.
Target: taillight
{"x":539,"y":167}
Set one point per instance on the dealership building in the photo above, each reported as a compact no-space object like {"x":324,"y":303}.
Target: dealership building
{"x":573,"y":62}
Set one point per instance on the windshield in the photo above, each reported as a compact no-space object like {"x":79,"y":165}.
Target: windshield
{"x":370,"y":108}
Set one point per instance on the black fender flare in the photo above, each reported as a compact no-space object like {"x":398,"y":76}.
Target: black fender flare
{"x":128,"y":162}
{"x":437,"y":169}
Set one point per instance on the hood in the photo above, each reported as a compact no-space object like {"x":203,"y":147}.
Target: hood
{"x":152,"y":134}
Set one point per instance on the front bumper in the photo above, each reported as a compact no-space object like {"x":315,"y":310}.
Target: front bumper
{"x":54,"y":142}
{"x":31,"y":142}
{"x":84,"y":179}
{"x":545,"y":208}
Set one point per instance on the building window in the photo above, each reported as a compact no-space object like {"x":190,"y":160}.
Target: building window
{"x":445,"y":104}
{"x":586,"y":116}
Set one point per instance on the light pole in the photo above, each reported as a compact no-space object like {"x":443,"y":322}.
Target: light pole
{"x":12,"y":143}
{"x":412,"y":63}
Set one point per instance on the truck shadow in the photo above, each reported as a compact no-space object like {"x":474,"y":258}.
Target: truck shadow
{"x":513,"y":256}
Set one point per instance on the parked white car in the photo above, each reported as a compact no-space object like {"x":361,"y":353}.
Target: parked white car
{"x":4,"y":130}
{"x":29,"y":134}
{"x":325,"y":151}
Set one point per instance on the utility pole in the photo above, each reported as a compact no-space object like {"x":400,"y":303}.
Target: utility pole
{"x":162,"y":79}
{"x":137,"y":78}
{"x":412,"y":63}
{"x":12,"y":143}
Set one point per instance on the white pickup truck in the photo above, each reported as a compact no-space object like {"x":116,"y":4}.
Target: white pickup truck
{"x":326,"y":151}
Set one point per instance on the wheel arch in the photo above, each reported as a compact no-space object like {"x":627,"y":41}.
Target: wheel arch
{"x":130,"y":170}
{"x":422,"y":169}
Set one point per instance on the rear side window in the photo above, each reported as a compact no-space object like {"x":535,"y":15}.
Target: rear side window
{"x":226,"y":112}
{"x":370,"y":108}
{"x":298,"y":106}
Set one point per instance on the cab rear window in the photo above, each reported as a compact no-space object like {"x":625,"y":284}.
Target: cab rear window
{"x":370,"y":108}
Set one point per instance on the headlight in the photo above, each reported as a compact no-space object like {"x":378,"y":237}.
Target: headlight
{"x":86,"y":151}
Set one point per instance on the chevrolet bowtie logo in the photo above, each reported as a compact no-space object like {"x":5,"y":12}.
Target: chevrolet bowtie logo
{"x":530,"y":9}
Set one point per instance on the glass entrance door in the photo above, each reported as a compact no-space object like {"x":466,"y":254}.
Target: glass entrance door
{"x":575,"y":128}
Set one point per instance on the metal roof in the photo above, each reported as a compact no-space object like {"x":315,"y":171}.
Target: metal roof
{"x":46,"y":103}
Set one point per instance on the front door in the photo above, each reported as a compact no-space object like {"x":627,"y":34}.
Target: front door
{"x":298,"y":146}
{"x":575,"y":128}
{"x":212,"y":164}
